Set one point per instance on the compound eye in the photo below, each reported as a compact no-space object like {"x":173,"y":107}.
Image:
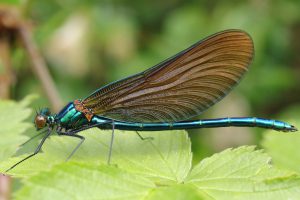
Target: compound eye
{"x":40,"y":121}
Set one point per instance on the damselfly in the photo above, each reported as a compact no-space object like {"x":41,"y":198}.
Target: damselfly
{"x":164,"y":96}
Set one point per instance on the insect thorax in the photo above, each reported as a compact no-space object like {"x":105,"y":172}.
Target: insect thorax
{"x":70,"y":118}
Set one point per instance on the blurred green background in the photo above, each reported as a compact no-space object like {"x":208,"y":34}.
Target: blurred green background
{"x":90,"y":43}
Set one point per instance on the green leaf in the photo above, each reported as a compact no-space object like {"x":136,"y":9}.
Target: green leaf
{"x":284,"y":149}
{"x":177,"y":192}
{"x":243,"y":173}
{"x":12,"y":116}
{"x":166,"y":158}
{"x":85,"y":181}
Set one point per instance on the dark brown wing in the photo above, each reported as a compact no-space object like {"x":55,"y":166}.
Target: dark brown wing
{"x":180,"y":87}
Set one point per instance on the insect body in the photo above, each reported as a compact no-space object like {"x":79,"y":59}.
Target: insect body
{"x":165,"y":96}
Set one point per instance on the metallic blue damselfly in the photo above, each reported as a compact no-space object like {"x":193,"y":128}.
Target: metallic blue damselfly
{"x":164,"y":96}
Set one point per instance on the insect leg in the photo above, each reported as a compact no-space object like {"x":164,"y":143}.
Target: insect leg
{"x":73,"y":132}
{"x":111,"y":142}
{"x":78,"y":145}
{"x":144,"y":138}
{"x":33,"y":137}
{"x":35,"y":152}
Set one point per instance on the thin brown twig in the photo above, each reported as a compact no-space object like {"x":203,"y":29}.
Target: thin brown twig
{"x":39,"y":67}
{"x":12,"y":24}
{"x":6,"y":78}
{"x":7,"y":35}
